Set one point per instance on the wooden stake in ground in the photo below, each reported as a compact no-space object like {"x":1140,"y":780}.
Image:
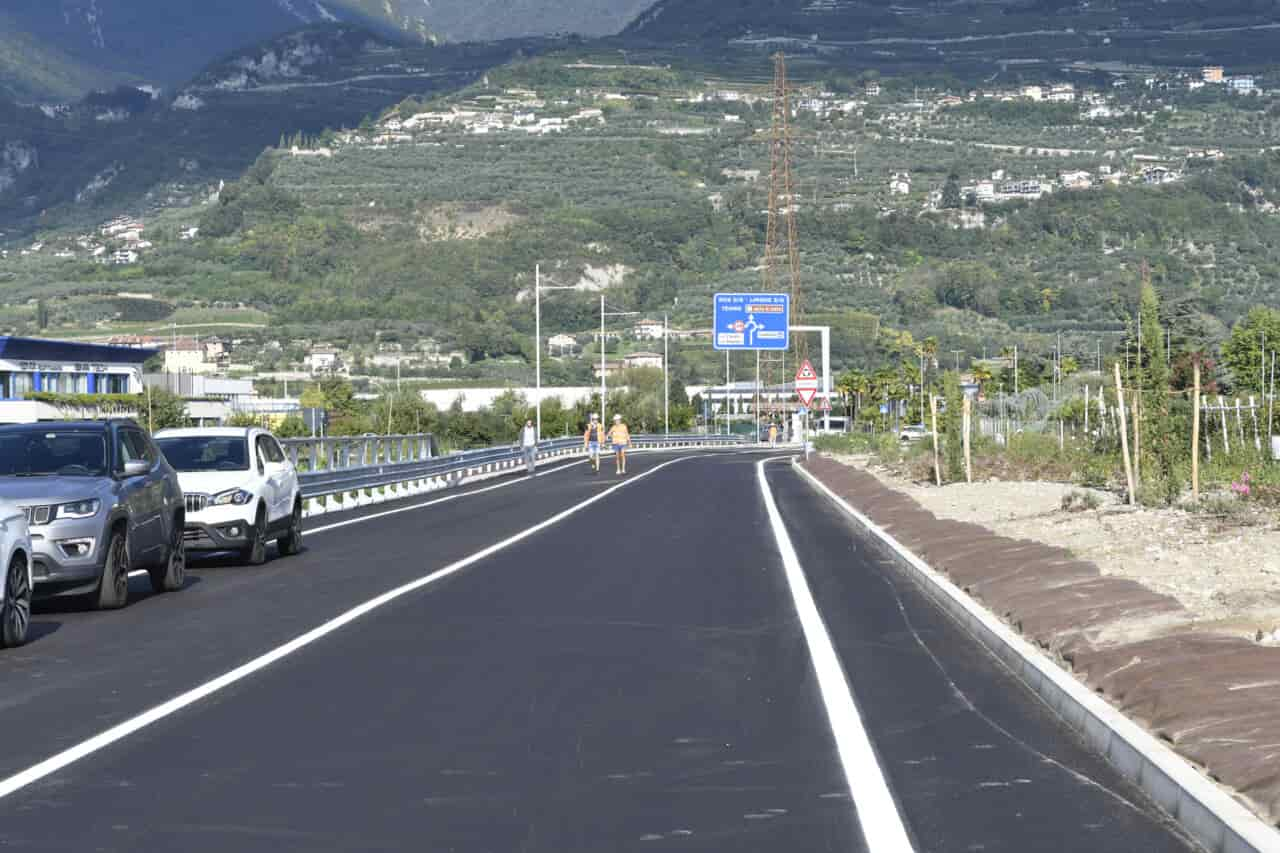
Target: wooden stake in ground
{"x":937,"y":464}
{"x":968,"y":462}
{"x":1195,"y":435}
{"x":1271,"y":399}
{"x":1239,"y":422}
{"x":1086,"y":411}
{"x":1222,"y":409}
{"x":1253,"y":415}
{"x":1136,"y":412}
{"x":1124,"y":438}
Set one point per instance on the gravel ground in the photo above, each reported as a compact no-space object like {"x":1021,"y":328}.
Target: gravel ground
{"x":1226,"y":573}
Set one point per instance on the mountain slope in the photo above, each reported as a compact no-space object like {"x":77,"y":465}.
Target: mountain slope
{"x":127,"y":148}
{"x":55,"y":50}
{"x":1185,"y":31}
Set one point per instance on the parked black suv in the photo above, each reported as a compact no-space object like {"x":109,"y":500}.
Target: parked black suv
{"x":100,"y":500}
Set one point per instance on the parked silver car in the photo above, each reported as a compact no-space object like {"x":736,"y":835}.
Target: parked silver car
{"x":15,"y":576}
{"x":100,"y":500}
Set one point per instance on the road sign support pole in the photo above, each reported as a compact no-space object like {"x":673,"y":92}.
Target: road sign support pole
{"x":537,"y":345}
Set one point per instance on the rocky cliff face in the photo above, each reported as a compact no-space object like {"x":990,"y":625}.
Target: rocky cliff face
{"x":167,"y":41}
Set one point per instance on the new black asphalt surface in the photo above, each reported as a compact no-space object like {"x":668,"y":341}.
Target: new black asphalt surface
{"x":631,"y":678}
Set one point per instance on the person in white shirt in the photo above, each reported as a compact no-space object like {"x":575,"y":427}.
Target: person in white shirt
{"x":529,"y":446}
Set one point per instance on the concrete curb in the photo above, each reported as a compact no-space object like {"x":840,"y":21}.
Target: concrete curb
{"x":1204,"y":810}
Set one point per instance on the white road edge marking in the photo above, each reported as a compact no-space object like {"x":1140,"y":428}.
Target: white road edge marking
{"x":122,"y":730}
{"x":878,"y":816}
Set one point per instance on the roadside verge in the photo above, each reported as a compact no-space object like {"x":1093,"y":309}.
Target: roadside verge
{"x":1207,"y":812}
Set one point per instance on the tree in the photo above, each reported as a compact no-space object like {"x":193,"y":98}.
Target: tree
{"x":951,"y":199}
{"x":1242,"y":352}
{"x":952,"y":427}
{"x":160,"y":409}
{"x":292,"y":427}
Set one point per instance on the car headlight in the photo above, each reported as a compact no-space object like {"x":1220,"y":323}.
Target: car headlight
{"x":79,"y":509}
{"x":236,"y":497}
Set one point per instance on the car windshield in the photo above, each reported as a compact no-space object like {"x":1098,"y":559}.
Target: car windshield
{"x":53,"y":453}
{"x":206,"y":452}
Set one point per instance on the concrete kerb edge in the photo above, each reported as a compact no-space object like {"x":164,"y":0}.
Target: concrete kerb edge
{"x":1206,"y":812}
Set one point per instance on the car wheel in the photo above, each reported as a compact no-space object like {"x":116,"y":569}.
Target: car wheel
{"x":291,"y":543}
{"x":256,"y":553}
{"x":15,"y":610}
{"x":113,"y":588}
{"x":172,"y":576}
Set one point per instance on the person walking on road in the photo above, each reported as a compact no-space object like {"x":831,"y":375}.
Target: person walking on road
{"x":529,"y":446}
{"x":592,"y":439}
{"x":619,"y":439}
{"x":773,"y":435}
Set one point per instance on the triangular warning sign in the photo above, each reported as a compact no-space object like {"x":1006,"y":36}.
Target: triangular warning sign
{"x":806,"y":382}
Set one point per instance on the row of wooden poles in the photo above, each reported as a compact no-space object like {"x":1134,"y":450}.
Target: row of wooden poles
{"x":1132,"y":463}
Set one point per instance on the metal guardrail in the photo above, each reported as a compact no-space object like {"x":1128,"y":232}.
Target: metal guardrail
{"x":329,"y":489}
{"x":314,"y":454}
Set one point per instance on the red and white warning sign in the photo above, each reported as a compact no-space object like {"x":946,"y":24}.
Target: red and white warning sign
{"x":826,"y":404}
{"x":806,"y":382}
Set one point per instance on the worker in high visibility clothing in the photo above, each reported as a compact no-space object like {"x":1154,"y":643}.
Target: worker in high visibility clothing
{"x":592,"y":439}
{"x":619,"y":438}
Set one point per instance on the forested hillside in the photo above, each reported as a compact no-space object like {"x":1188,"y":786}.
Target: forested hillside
{"x":650,"y":183}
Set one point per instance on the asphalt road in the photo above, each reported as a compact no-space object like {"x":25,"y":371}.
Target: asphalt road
{"x":627,"y":675}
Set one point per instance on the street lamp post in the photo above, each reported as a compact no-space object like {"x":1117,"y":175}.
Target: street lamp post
{"x":666,"y":379}
{"x":537,"y":338}
{"x":603,"y":314}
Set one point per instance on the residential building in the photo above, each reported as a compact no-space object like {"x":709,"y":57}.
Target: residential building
{"x":610,"y":368}
{"x":323,"y":360}
{"x":1211,"y":74}
{"x":1242,"y":85}
{"x":900,"y":183}
{"x":34,"y":364}
{"x":122,"y":257}
{"x":1076,"y":180}
{"x":562,"y":344}
{"x":1061,"y":93}
{"x":643,"y":359}
{"x":1156,"y":175}
{"x":873,"y":90}
{"x":1034,"y":93}
{"x":187,"y":356}
{"x":648,"y":330}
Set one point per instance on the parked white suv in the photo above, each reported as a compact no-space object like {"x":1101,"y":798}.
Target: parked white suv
{"x":241,"y":490}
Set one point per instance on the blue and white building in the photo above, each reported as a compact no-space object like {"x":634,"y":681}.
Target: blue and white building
{"x":29,"y":365}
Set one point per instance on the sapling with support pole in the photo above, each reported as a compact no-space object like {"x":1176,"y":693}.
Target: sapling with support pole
{"x":1195,"y":432}
{"x":1271,"y":397}
{"x":937,"y":462}
{"x":1124,"y":438}
{"x":968,"y":465}
{"x":1253,"y":415}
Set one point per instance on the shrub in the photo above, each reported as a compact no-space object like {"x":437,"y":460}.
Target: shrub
{"x":1080,"y":501}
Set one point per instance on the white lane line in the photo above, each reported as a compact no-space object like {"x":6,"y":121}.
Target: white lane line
{"x":878,"y":815}
{"x":122,"y":730}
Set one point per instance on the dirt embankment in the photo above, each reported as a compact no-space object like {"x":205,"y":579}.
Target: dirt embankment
{"x":1224,"y":572}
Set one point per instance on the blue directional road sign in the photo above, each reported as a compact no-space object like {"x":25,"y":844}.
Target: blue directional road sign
{"x":752,"y":321}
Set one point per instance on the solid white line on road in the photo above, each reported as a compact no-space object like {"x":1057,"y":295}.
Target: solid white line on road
{"x":122,"y":730}
{"x":878,"y":815}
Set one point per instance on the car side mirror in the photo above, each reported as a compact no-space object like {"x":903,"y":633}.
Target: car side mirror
{"x":136,"y":467}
